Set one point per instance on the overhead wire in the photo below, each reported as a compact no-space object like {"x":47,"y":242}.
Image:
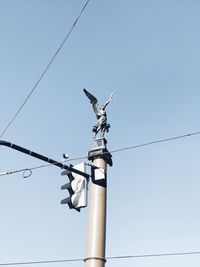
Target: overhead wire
{"x":112,"y":151}
{"x":107,"y":258}
{"x":154,"y":255}
{"x":39,"y":262}
{"x":84,"y":157}
{"x":156,"y":142}
{"x":46,"y":69}
{"x":26,"y":172}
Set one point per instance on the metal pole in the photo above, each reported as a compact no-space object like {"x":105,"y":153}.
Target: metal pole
{"x":41,"y":157}
{"x":96,"y":234}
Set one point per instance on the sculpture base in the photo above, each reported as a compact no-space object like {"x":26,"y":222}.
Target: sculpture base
{"x":99,"y":150}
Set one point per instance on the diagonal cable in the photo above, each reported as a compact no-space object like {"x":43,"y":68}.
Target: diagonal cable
{"x":45,"y":70}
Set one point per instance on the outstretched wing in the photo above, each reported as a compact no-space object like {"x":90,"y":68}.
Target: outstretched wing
{"x":92,"y":98}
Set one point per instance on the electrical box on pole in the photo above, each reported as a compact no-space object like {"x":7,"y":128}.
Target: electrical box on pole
{"x":77,"y":188}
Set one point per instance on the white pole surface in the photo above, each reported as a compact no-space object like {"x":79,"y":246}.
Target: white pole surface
{"x":96,"y":235}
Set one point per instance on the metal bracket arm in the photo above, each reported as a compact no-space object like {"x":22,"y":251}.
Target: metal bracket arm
{"x":43,"y":158}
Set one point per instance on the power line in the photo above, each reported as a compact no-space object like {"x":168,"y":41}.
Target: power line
{"x":39,"y":262}
{"x":154,"y":255}
{"x":24,"y":170}
{"x":156,"y":142}
{"x":107,"y":258}
{"x":45,"y":70}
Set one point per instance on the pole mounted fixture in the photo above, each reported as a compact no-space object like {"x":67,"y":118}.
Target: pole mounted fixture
{"x":43,"y":158}
{"x":77,"y":188}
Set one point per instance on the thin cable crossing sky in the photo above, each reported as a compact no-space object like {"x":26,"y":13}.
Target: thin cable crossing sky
{"x":45,"y":70}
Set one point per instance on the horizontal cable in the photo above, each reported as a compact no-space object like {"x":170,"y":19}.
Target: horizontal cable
{"x":154,"y":255}
{"x":107,"y":258}
{"x":156,"y":142}
{"x":39,"y":262}
{"x":112,"y":151}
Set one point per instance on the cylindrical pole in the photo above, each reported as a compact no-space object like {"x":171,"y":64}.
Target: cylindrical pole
{"x":96,"y":235}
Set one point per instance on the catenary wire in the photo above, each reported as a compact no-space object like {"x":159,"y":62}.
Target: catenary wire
{"x":45,"y":70}
{"x":112,"y":151}
{"x":107,"y":258}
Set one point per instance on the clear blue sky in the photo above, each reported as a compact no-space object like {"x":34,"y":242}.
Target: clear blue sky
{"x":147,"y":52}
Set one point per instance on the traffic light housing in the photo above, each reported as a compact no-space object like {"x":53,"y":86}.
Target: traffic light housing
{"x":77,"y":188}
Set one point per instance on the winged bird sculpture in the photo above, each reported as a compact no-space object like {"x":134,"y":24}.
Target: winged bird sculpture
{"x":101,"y":115}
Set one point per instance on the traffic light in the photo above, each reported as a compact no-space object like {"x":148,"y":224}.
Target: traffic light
{"x":77,"y":188}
